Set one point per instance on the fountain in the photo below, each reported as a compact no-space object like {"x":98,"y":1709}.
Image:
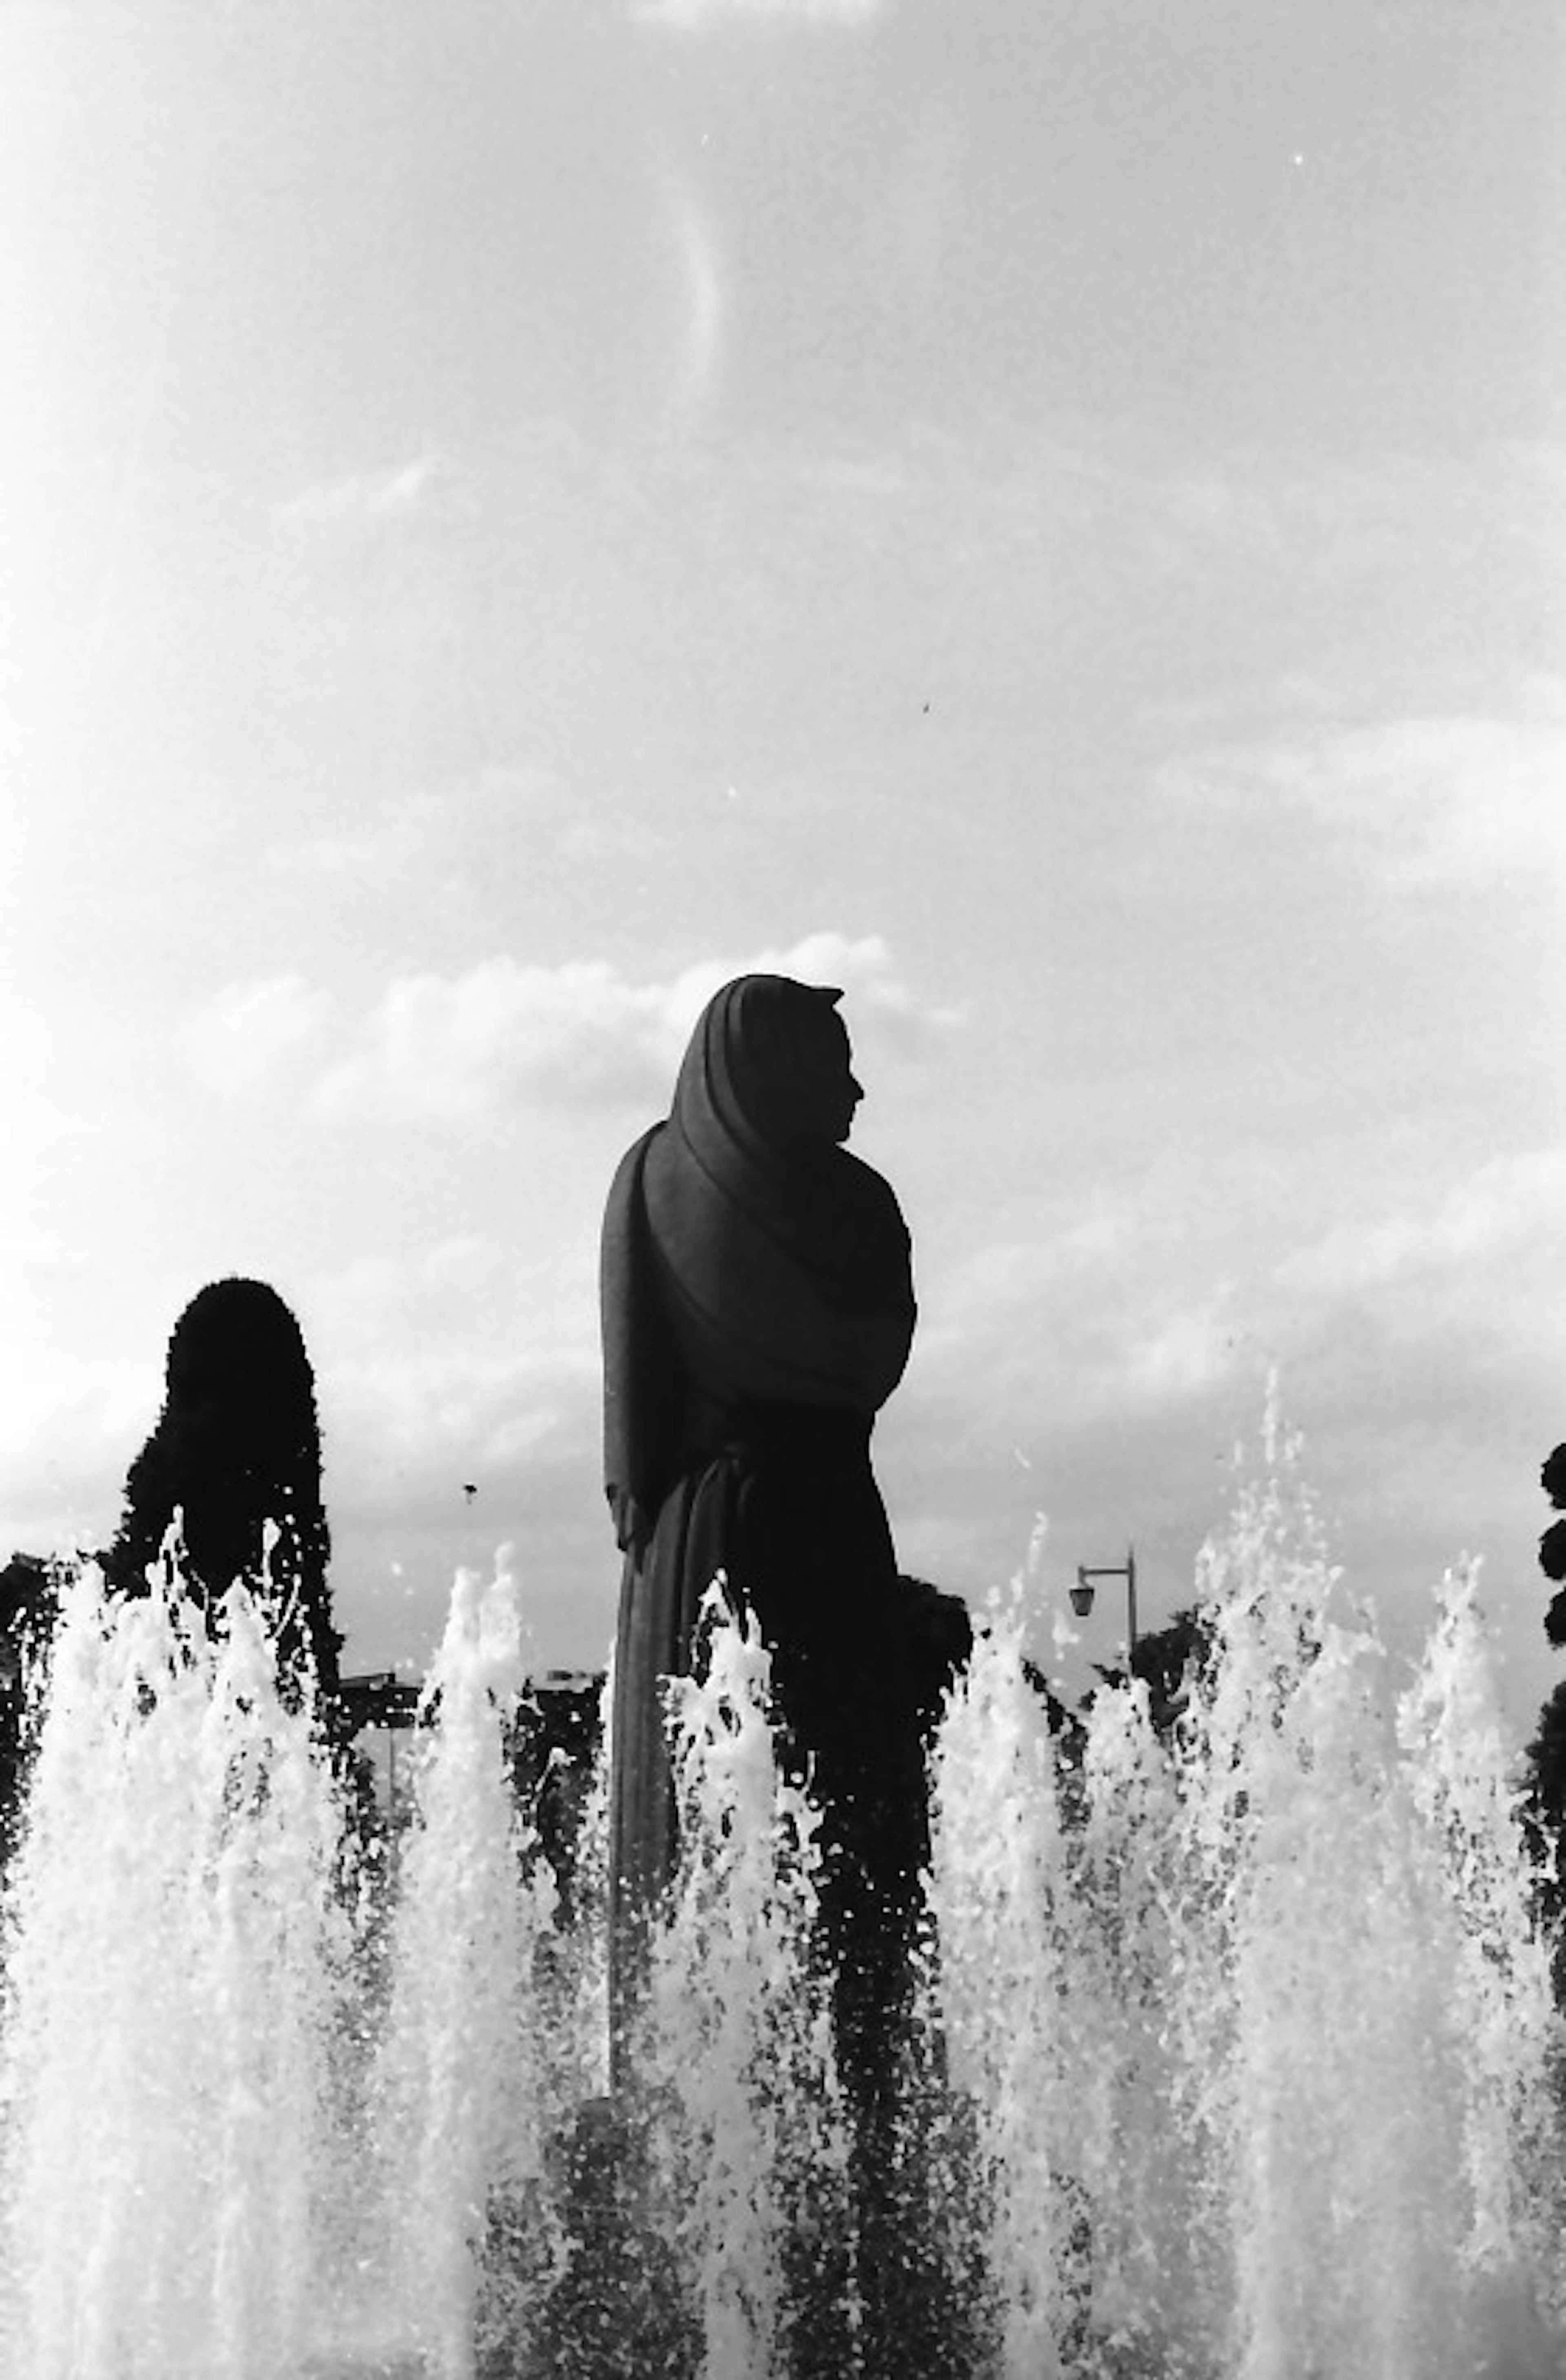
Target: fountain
{"x":1241,"y":2058}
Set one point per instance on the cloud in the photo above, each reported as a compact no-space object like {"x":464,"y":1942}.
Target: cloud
{"x":369,"y":499}
{"x":1129,"y":1287}
{"x":459,"y":1047}
{"x":463,"y":1047}
{"x":237,"y":1043}
{"x":862,"y":967}
{"x":1508,"y":1205}
{"x":1437,"y":800}
{"x":1160,"y":1298}
{"x":434,"y":846}
{"x":691,"y":16}
{"x":449,"y":1413}
{"x":447,"y":1363}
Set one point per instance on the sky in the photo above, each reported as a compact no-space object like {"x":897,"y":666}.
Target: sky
{"x":1048,"y":514}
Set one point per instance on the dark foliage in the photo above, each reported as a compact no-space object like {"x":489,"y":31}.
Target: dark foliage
{"x":939,"y":1644}
{"x":30,"y":1605}
{"x":1543,"y":1811}
{"x":1552,"y":1545}
{"x":1552,"y":1478}
{"x":554,"y":1741}
{"x":1171,"y":1658}
{"x":1167,"y":1661}
{"x":29,"y":1608}
{"x":237,"y":1445}
{"x":1059,"y":1718}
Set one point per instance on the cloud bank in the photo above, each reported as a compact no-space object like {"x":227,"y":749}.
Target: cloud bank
{"x":1434,"y":800}
{"x":463,"y":1047}
{"x":237,"y":1042}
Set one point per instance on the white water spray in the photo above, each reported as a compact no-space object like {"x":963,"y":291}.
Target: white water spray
{"x":462,"y":2091}
{"x":1250,"y":2046}
{"x":168,"y":1982}
{"x":740,"y":2045}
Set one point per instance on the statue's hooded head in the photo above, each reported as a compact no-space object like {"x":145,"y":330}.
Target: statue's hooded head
{"x":777,"y":1050}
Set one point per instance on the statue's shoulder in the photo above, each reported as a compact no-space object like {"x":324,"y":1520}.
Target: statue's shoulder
{"x":873,"y":1185}
{"x":624,"y":1210}
{"x":629,"y":1168}
{"x":869,"y":1194}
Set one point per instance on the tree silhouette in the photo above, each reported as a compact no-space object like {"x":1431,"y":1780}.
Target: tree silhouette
{"x":1552,"y":1545}
{"x":237,"y":1445}
{"x":1167,"y":1661}
{"x":1542,"y":1808}
{"x":29,"y":1608}
{"x":1543,"y":1802}
{"x":940,"y":1644}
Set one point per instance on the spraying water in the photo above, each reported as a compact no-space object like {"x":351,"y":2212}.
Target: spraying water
{"x":168,"y":1982}
{"x":741,"y":2032}
{"x":1246,"y":2066}
{"x":460,"y":2087}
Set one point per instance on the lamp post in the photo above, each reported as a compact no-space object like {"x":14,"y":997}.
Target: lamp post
{"x":1082,"y":1597}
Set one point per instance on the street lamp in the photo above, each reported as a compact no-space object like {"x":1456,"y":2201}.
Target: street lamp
{"x":1082,"y":1596}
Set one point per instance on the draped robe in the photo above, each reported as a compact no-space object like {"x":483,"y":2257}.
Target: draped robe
{"x":758,"y":1311}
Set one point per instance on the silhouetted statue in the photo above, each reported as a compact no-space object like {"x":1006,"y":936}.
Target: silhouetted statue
{"x":237,"y":1445}
{"x":757,"y":1310}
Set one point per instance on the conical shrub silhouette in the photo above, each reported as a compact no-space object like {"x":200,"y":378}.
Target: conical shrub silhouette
{"x":237,"y":1445}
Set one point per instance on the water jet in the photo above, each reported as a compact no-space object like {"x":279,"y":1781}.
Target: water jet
{"x":1245,"y":2064}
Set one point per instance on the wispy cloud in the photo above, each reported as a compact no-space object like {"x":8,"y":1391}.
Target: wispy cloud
{"x":438,"y":849}
{"x":1434,"y":800}
{"x":399,"y":492}
{"x":1160,"y":1296}
{"x":460,"y":1046}
{"x":237,"y":1042}
{"x":1475,"y":1223}
{"x":692,"y":15}
{"x":441,"y":1361}
{"x":466,"y":1046}
{"x":861,"y":965}
{"x":1130,"y":1290}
